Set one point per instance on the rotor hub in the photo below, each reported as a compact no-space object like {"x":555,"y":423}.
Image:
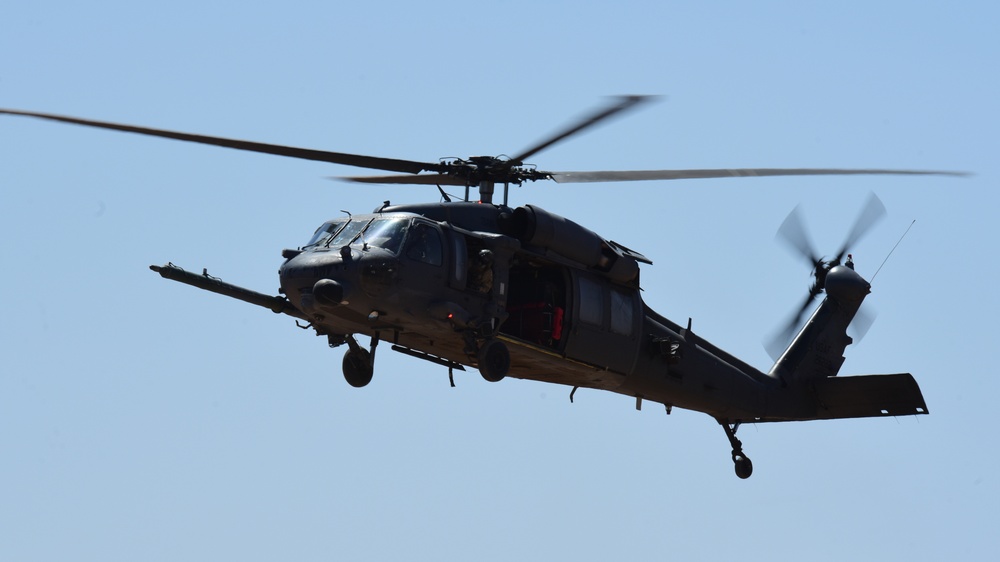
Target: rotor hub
{"x":478,"y":169}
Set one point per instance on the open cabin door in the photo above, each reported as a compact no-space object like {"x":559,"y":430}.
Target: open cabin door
{"x":536,"y":305}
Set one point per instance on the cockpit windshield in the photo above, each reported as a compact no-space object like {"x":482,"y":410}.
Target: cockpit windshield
{"x":385,"y":233}
{"x":346,"y":234}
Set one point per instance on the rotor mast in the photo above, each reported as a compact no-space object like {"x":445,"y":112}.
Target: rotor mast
{"x":486,"y":189}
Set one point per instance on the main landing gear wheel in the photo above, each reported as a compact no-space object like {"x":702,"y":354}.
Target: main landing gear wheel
{"x":743,"y":465}
{"x":358,"y":368}
{"x":494,"y":360}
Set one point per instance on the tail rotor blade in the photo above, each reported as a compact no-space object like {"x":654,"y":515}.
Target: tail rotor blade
{"x":863,"y":320}
{"x":793,"y":233}
{"x":776,"y":345}
{"x":873,"y":212}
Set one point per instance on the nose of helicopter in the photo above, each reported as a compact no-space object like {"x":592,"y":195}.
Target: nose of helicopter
{"x":328,"y":292}
{"x":317,"y":279}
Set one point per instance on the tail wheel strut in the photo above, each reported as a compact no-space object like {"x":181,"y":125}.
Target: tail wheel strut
{"x":741,"y":462}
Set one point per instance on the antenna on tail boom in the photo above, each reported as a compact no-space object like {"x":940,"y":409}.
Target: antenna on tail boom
{"x":894,"y":248}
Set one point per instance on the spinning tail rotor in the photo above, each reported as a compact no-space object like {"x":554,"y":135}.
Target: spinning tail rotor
{"x":793,"y":233}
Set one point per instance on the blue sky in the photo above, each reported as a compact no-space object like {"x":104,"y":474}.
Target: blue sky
{"x":143,"y":419}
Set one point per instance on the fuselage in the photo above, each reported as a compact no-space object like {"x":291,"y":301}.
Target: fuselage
{"x":430,"y":278}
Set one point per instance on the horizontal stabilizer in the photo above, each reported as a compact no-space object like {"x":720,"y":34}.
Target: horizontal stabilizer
{"x":868,"y":396}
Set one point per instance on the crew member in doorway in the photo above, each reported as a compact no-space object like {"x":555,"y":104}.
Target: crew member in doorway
{"x":482,"y":272}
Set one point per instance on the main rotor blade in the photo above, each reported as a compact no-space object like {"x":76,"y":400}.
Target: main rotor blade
{"x":388,"y":164}
{"x":622,"y":103}
{"x":419,"y":179}
{"x":873,"y":211}
{"x":649,"y":175}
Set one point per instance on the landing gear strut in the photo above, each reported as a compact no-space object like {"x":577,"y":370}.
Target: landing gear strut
{"x":744,"y":468}
{"x":359,"y":363}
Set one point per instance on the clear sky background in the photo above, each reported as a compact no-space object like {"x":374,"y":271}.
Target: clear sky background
{"x":141,"y":419}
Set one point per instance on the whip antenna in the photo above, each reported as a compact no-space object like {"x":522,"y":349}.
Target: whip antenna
{"x":894,"y":248}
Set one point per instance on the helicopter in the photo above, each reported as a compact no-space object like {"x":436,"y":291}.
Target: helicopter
{"x":521,"y":292}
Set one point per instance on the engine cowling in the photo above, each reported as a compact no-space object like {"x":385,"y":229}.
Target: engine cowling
{"x":535,"y":226}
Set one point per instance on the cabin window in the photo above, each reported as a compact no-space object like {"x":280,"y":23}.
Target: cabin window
{"x":458,"y":252}
{"x":621,"y":312}
{"x":591,"y":302}
{"x":425,"y":245}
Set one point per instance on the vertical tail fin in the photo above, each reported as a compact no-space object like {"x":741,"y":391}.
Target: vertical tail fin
{"x":818,"y":349}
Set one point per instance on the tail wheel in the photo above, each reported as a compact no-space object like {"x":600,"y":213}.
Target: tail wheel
{"x":744,"y":468}
{"x":494,"y":360}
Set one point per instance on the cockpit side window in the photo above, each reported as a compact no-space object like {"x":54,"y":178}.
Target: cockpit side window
{"x":324,"y":232}
{"x":386,"y":234}
{"x":424,"y":245}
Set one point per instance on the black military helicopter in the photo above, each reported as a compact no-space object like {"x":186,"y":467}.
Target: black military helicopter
{"x":525,"y":293}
